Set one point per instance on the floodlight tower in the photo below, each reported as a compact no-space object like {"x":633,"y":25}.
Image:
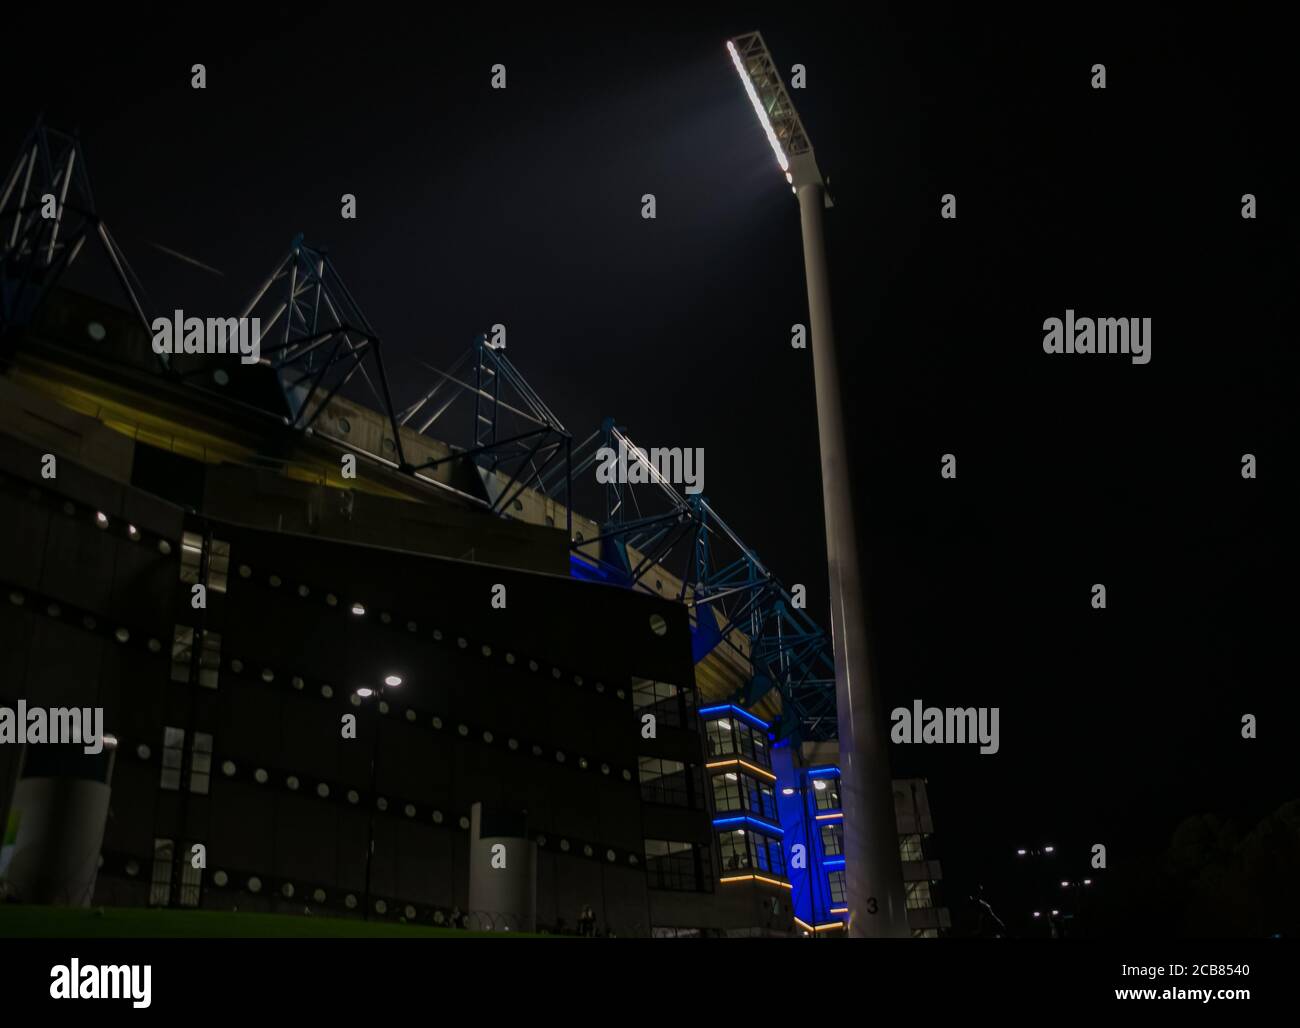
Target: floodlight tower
{"x":873,"y":871}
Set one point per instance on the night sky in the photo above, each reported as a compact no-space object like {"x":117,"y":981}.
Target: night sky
{"x":523,"y":207}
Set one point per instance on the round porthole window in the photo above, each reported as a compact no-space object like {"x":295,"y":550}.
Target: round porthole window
{"x":658,"y":625}
{"x":344,"y":426}
{"x":96,"y":331}
{"x":221,"y":377}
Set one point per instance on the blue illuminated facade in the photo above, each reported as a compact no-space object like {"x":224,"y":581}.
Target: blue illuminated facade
{"x":742,"y":787}
{"x":809,"y":803}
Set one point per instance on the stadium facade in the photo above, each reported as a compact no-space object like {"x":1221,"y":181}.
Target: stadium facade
{"x":350,"y":668}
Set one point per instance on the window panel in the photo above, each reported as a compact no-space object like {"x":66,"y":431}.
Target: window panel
{"x":160,"y":887}
{"x":735,"y":850}
{"x":827,"y":793}
{"x":918,"y":895}
{"x":668,"y":782}
{"x":777,"y":856}
{"x":671,"y":865}
{"x":721,"y":738}
{"x":662,"y":699}
{"x":172,"y":756}
{"x":726,"y":792}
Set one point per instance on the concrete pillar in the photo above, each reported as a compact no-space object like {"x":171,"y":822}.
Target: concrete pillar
{"x":502,"y":872}
{"x":873,"y":875}
{"x":61,"y":807}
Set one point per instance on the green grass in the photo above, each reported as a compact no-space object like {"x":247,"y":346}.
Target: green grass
{"x":18,"y":921}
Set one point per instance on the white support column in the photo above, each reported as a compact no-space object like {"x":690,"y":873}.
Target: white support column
{"x":873,"y":871}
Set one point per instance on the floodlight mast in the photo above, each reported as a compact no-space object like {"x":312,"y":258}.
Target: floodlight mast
{"x":873,"y":871}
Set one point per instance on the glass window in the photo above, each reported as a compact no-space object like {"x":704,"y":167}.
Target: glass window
{"x":777,"y":852}
{"x":210,"y":660}
{"x":191,"y":881}
{"x":726,"y":792}
{"x":201,"y":763}
{"x":827,"y":792}
{"x":182,"y":642}
{"x":917,"y":895}
{"x":172,"y":755}
{"x":836,"y":882}
{"x":218,"y":566}
{"x":662,"y":699}
{"x":160,"y":887}
{"x":833,"y":840}
{"x":761,"y":755}
{"x":183,"y":652}
{"x":721,"y":738}
{"x":746,"y":734}
{"x":759,"y":797}
{"x":671,"y":865}
{"x":192,"y":561}
{"x":668,"y":782}
{"x":191,"y":556}
{"x":909,"y":848}
{"x":735,"y":850}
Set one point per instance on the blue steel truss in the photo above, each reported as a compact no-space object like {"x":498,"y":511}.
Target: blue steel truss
{"x":49,"y":177}
{"x":513,"y":431}
{"x":317,"y":340}
{"x":727,"y":588}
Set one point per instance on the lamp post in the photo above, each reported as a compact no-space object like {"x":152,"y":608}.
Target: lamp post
{"x":377,"y":695}
{"x":873,"y":873}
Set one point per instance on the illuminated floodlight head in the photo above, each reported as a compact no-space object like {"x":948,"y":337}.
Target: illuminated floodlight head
{"x":785,"y":132}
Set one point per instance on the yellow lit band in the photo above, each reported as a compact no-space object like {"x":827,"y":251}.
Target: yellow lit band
{"x":746,"y":765}
{"x":759,"y":878}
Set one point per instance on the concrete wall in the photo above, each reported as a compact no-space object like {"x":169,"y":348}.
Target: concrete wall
{"x":282,"y":836}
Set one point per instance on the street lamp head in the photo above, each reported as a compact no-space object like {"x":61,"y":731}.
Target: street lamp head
{"x":781,"y":124}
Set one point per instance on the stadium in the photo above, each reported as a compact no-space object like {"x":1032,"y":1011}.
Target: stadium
{"x":381,"y":653}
